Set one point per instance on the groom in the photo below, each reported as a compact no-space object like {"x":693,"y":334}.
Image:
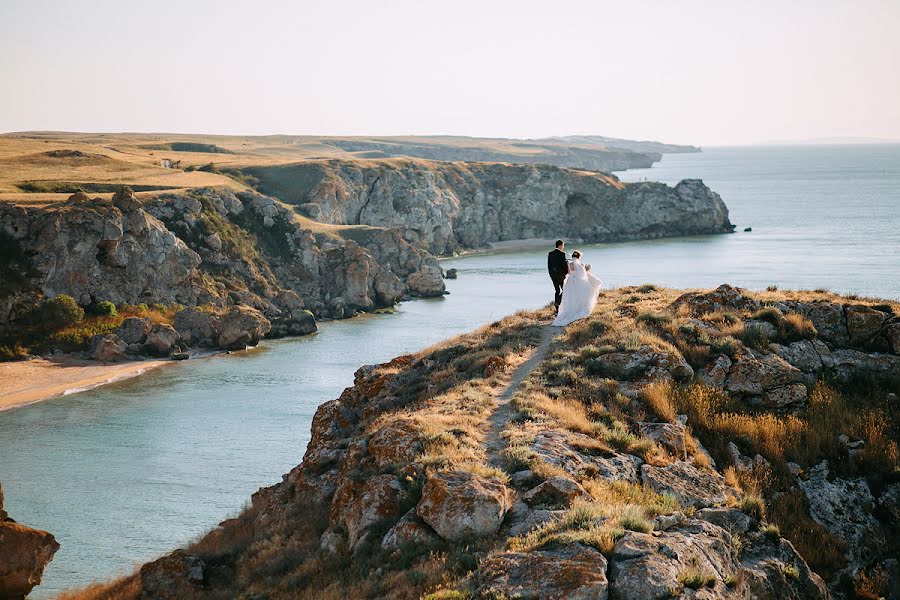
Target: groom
{"x":558,"y":267}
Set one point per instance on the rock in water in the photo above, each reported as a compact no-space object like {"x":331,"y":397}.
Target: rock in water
{"x":427,"y":281}
{"x":24,"y":552}
{"x":242,"y":327}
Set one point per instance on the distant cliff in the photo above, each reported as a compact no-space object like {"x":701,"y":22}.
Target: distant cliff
{"x":559,"y":153}
{"x":454,"y":206}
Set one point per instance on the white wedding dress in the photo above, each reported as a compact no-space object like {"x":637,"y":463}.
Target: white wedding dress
{"x":579,"y":294}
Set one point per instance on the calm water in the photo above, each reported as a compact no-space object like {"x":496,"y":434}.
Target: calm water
{"x":131,"y":470}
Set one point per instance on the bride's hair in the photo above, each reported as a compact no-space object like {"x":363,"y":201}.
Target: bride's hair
{"x":576,"y":254}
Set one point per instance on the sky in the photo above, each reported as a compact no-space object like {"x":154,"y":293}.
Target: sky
{"x":706,"y":72}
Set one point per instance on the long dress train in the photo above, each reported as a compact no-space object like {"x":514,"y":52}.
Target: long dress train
{"x":579,"y":294}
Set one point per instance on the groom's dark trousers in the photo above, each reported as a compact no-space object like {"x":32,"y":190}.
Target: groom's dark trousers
{"x":558,"y":269}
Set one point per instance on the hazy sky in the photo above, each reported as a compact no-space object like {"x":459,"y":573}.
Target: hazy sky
{"x":702,"y":72}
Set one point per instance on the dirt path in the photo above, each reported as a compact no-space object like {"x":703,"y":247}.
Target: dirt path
{"x":503,"y":409}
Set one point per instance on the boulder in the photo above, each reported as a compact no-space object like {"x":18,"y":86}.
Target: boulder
{"x":893,"y":337}
{"x":645,"y":364}
{"x":555,"y":492}
{"x":863,"y":323}
{"x":690,"y":485}
{"x":427,"y":281}
{"x":162,"y":340}
{"x":766,"y":564}
{"x":107,"y":347}
{"x":358,"y":506}
{"x":671,"y":436}
{"x":724,"y":297}
{"x":847,"y":363}
{"x":24,"y":553}
{"x":451,"y":274}
{"x":716,"y":373}
{"x":648,"y":566}
{"x":753,"y":373}
{"x":827,"y":317}
{"x":842,"y":506}
{"x":461,"y":505}
{"x":241,"y":327}
{"x":196,"y":327}
{"x":409,"y":530}
{"x":803,"y":355}
{"x":523,"y":519}
{"x":388,"y":288}
{"x":134,"y":330}
{"x":557,"y":448}
{"x":574,"y":572}
{"x":173,"y":577}
{"x":785,"y":397}
{"x":730,"y":519}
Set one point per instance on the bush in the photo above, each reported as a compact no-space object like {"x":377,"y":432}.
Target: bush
{"x":104,"y":309}
{"x":61,"y":311}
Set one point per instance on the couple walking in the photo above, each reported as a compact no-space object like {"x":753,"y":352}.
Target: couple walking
{"x":581,"y":286}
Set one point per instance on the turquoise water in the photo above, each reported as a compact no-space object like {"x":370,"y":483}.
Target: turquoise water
{"x":126,"y":472}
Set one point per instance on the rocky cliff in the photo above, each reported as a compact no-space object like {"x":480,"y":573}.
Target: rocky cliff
{"x":561,"y":153}
{"x":453,"y":206}
{"x":710,"y":444}
{"x":208,"y":247}
{"x":24,"y":552}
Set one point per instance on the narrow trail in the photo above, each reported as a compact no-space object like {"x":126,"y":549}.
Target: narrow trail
{"x":503,"y":411}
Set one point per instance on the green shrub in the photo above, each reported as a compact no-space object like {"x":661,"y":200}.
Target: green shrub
{"x":104,"y":309}
{"x":61,"y":311}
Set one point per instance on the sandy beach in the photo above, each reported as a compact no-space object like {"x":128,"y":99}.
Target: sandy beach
{"x":38,"y":379}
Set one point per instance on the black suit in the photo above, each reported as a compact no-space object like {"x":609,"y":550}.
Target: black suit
{"x":558,"y":268}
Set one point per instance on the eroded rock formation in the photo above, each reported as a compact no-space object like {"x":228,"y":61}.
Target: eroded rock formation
{"x":24,"y":552}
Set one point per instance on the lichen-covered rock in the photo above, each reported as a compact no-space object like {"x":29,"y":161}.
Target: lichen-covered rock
{"x":863,"y":323}
{"x":772,"y":570}
{"x":574,"y":572}
{"x":716,"y":373}
{"x":134,"y":330}
{"x":107,"y":347}
{"x":645,"y":364}
{"x":648,"y":567}
{"x":670,"y":436}
{"x":173,"y":577}
{"x":241,"y":327}
{"x":409,"y":530}
{"x":555,"y":492}
{"x":162,"y":340}
{"x":842,"y":506}
{"x":557,"y":448}
{"x":753,"y":373}
{"x":785,"y":397}
{"x":803,"y":354}
{"x":690,"y":485}
{"x":730,"y":519}
{"x":827,"y":317}
{"x":395,"y":444}
{"x":847,"y":363}
{"x":357,"y":506}
{"x":724,"y":297}
{"x":460,"y":505}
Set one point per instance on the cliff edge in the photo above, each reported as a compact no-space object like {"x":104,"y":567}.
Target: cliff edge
{"x":708,"y":444}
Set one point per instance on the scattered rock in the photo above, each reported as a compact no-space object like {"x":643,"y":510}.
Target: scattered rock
{"x":451,"y":274}
{"x":671,"y":436}
{"x":754,"y":373}
{"x":460,"y":505}
{"x":409,"y":530}
{"x":173,"y":577}
{"x":574,"y":572}
{"x":785,"y":397}
{"x":358,"y":506}
{"x":134,"y":330}
{"x":107,"y":347}
{"x":730,"y":519}
{"x":689,"y":485}
{"x":555,"y":492}
{"x":241,"y":327}
{"x":162,"y":340}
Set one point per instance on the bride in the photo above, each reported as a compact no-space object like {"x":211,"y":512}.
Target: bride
{"x":579,"y":293}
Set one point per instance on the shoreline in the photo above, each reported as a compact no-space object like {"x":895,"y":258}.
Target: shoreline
{"x":30,"y":381}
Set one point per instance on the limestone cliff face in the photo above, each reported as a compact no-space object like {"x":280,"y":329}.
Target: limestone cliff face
{"x":452,"y":206}
{"x":206,"y":247}
{"x":645,"y":452}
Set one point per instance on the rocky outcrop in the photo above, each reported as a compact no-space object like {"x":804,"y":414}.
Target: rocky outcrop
{"x":24,"y":553}
{"x":575,"y":571}
{"x":461,"y":505}
{"x":446,"y":207}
